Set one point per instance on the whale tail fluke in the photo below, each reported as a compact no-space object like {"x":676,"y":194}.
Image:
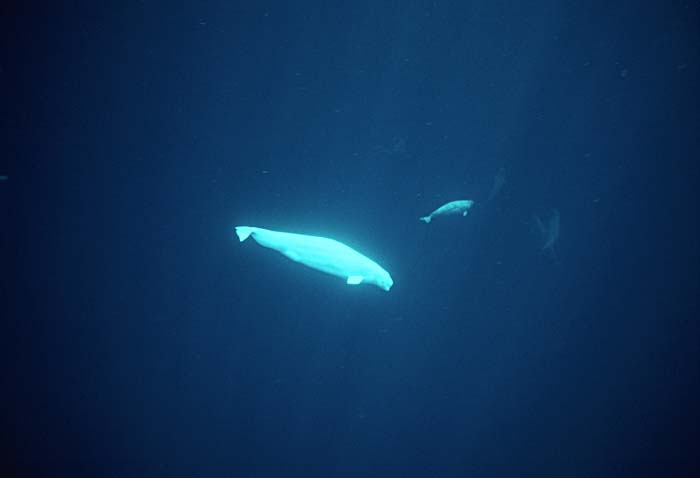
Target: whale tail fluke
{"x":243,"y":232}
{"x":425,"y":219}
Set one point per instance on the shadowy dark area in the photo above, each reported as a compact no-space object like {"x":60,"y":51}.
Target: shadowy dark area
{"x":140,"y":338}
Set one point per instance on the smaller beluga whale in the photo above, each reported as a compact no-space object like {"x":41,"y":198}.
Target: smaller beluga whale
{"x":498,"y":181}
{"x":321,"y":253}
{"x":451,"y":208}
{"x":549,"y":233}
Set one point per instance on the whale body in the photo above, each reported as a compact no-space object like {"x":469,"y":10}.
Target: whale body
{"x":498,"y":181}
{"x":453,"y":207}
{"x":550,"y":232}
{"x":321,"y":253}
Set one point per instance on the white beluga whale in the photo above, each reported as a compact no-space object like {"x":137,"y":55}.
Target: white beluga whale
{"x":498,"y":181}
{"x":453,"y":207}
{"x":550,"y":232}
{"x":321,"y":253}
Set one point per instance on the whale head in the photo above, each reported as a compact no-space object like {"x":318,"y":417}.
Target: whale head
{"x":381,"y":279}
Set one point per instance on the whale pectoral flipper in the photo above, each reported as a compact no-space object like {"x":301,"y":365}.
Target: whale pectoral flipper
{"x":354,"y":280}
{"x":465,"y":213}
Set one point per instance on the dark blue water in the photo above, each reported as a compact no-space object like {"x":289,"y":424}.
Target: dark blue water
{"x":140,"y":338}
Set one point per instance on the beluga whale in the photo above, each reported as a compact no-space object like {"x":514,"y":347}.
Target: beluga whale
{"x":321,"y":253}
{"x":549,"y":233}
{"x":498,"y":181}
{"x":453,"y":207}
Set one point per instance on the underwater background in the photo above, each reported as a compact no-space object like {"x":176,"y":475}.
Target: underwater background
{"x":140,"y":338}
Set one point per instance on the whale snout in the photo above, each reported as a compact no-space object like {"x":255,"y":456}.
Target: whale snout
{"x":386,"y":283}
